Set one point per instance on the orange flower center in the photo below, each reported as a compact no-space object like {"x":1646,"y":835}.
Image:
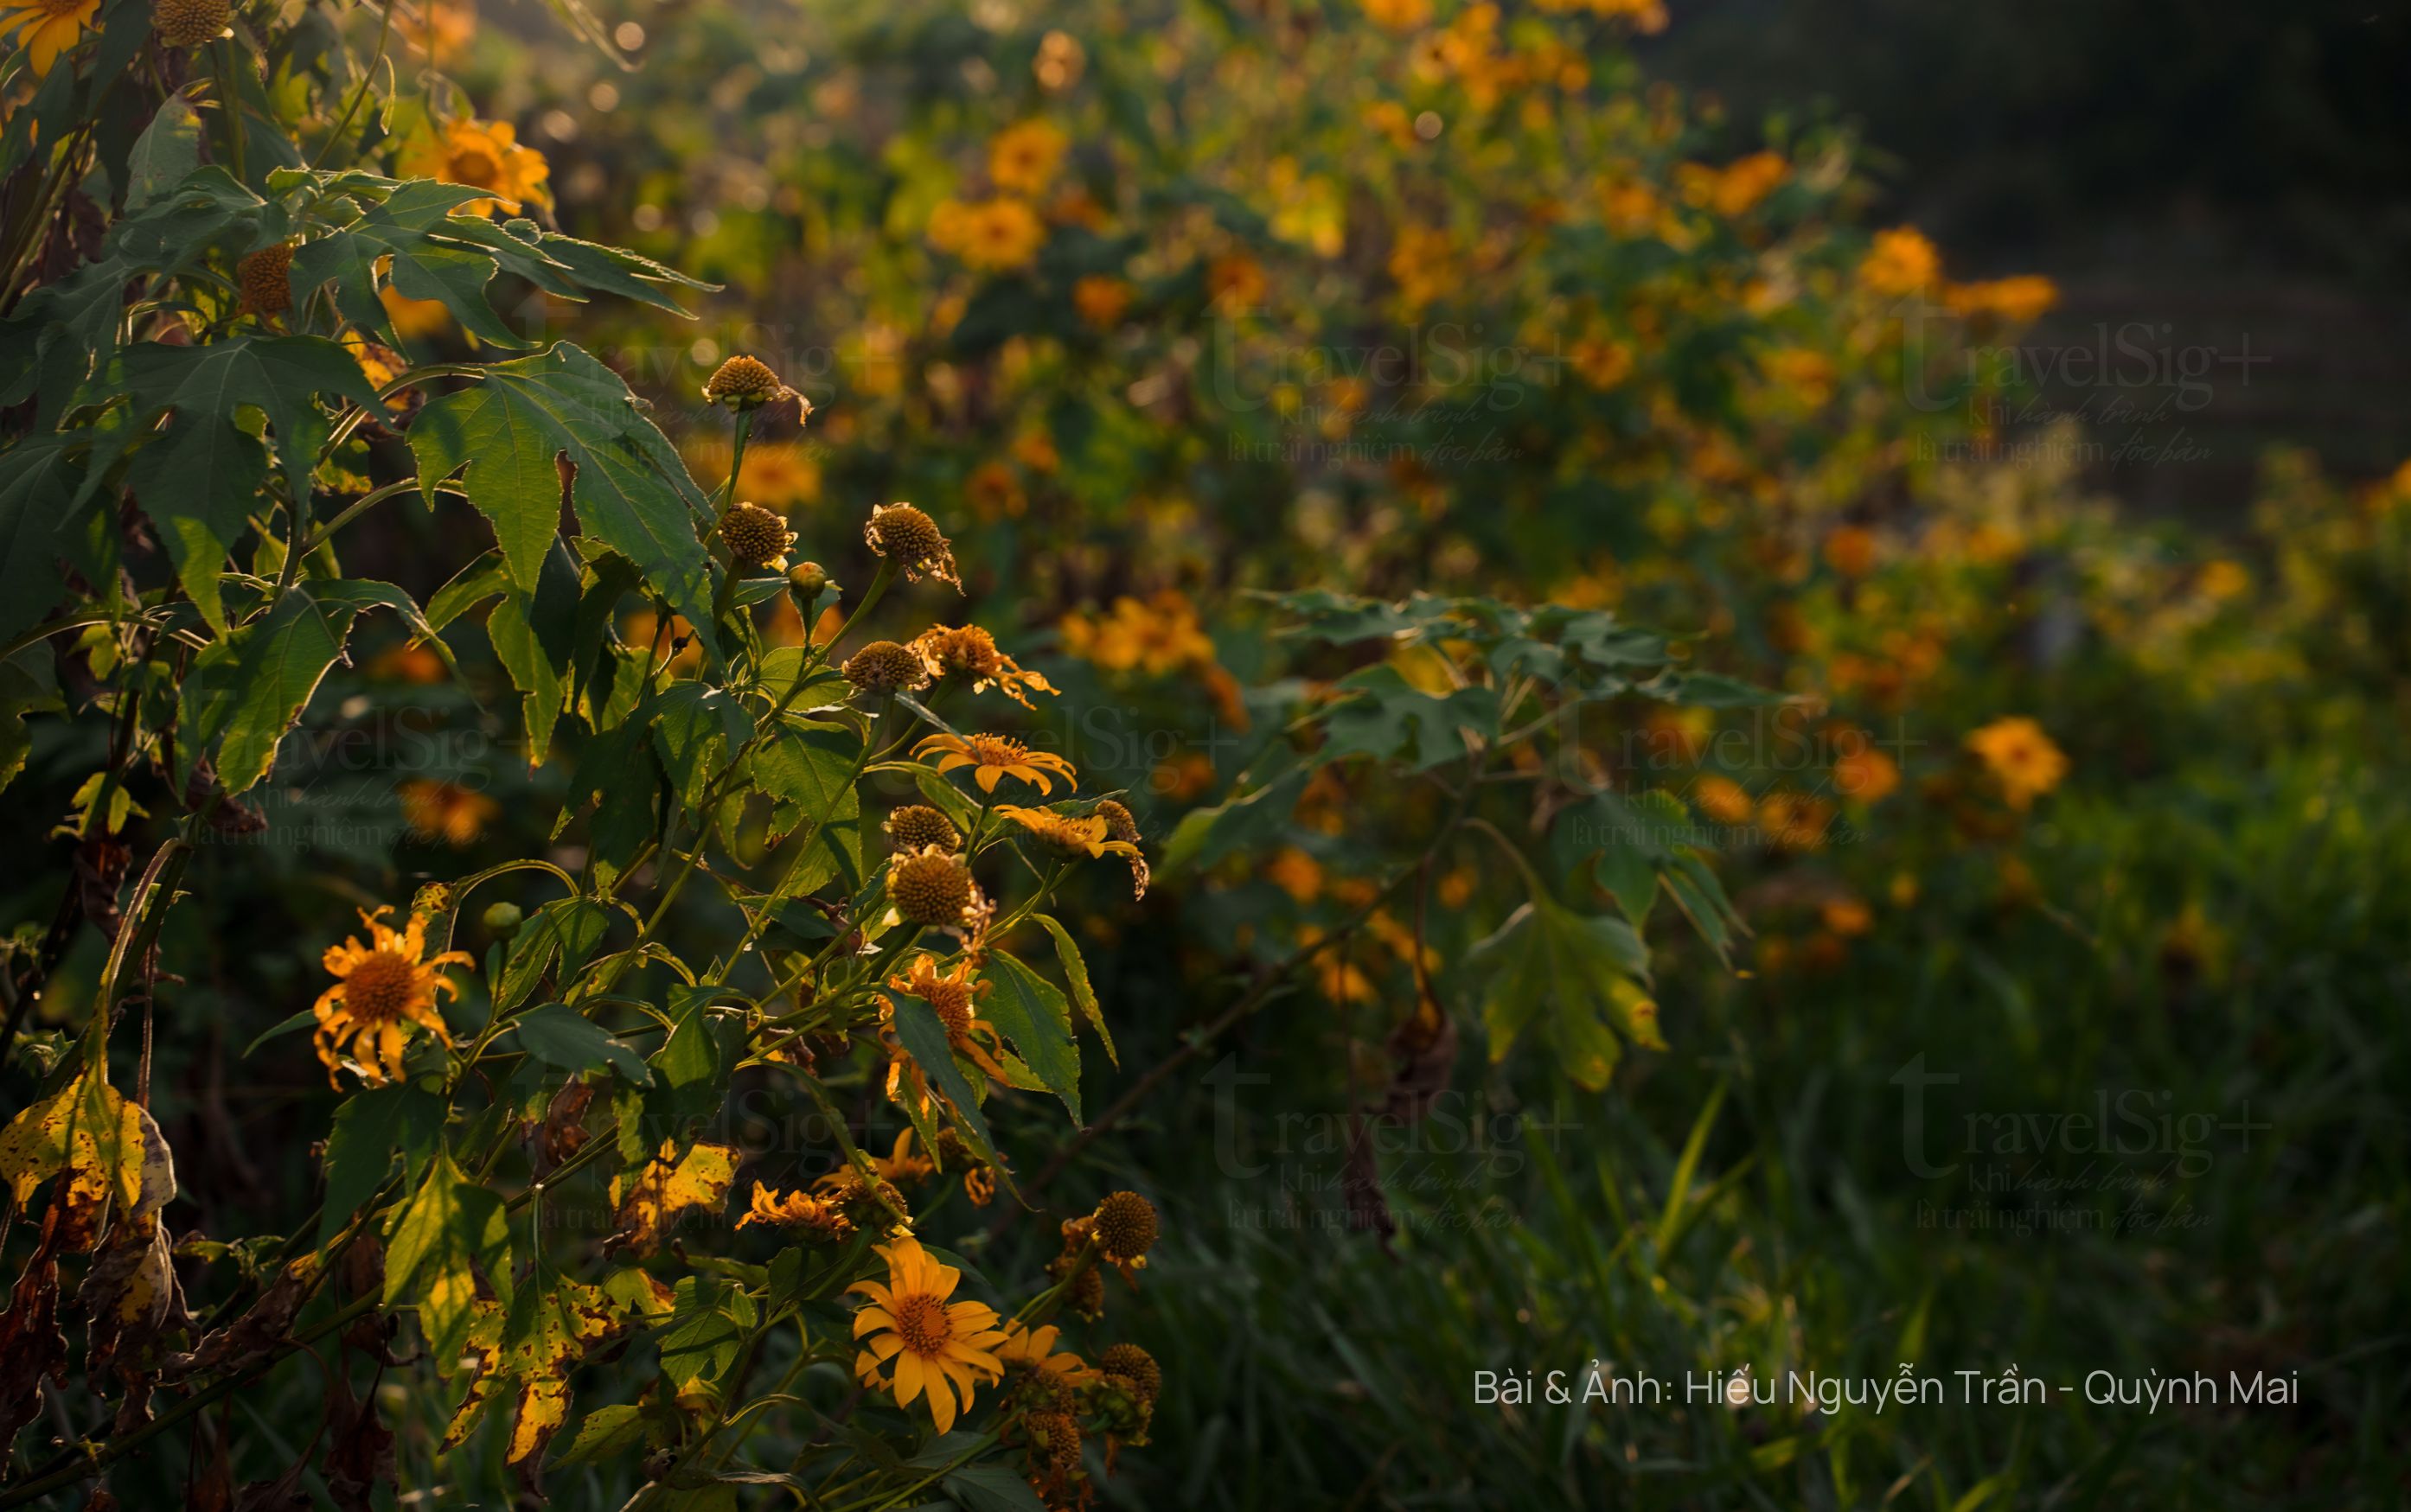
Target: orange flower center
{"x":953,"y":1002}
{"x":476,"y":168}
{"x":380,"y":987}
{"x":921,"y":1322}
{"x":995,"y":751}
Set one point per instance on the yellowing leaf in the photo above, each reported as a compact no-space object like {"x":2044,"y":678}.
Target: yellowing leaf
{"x":452,"y":1225}
{"x":669,"y":1186}
{"x":89,"y":1132}
{"x":549,"y":1332}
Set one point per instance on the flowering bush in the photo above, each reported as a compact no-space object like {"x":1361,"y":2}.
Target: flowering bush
{"x":218,"y":403}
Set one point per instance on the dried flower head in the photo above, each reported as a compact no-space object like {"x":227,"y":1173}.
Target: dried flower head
{"x":1125,"y":1229}
{"x":1053,"y":1440}
{"x":918,"y":826}
{"x":267,"y":290}
{"x":930,"y":886}
{"x":968,"y":651}
{"x":885,"y":667}
{"x":911,"y":539}
{"x":744,"y":382}
{"x":188,"y":23}
{"x":756,"y":537}
{"x":1118,"y":822}
{"x":1135,"y":1365}
{"x":1121,"y":827}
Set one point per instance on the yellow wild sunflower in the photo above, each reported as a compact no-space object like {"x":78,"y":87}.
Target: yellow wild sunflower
{"x":1069,"y":834}
{"x":1022,"y":157}
{"x":1033,"y":1350}
{"x":483,"y":154}
{"x":899,"y":1164}
{"x":915,"y":1343}
{"x":381,"y":989}
{"x":1900,"y":262}
{"x":46,"y":28}
{"x":2024,"y":760}
{"x":994,"y":758}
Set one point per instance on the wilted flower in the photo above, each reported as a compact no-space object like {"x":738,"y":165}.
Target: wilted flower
{"x":911,"y":539}
{"x":970,"y":651}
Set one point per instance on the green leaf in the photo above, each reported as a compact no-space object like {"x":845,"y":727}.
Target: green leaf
{"x":1028,"y":1010}
{"x":1386,"y":718}
{"x":248,"y":688}
{"x":707,"y":1330}
{"x":922,"y":1035}
{"x":169,"y":149}
{"x":807,"y":772}
{"x":435,"y":255}
{"x":604,"y":1433}
{"x":198,"y":478}
{"x":565,"y":930}
{"x":1076,"y":971}
{"x":1574,"y":975}
{"x":37,"y":489}
{"x":1205,"y":836}
{"x":450,"y":1228}
{"x":559,"y":1035}
{"x":535,"y":636}
{"x":370,"y":1128}
{"x":505,"y":437}
{"x":29,"y":684}
{"x":697,"y":729}
{"x":690,"y":1068}
{"x":991,"y":1488}
{"x":470,"y":586}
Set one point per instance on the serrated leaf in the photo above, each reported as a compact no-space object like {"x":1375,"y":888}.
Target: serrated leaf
{"x":922,"y":1035}
{"x":1075,"y":972}
{"x":437,"y":256}
{"x":558,"y":1035}
{"x":451,"y":1228}
{"x":248,"y":688}
{"x":1030,"y":1010}
{"x":504,"y":438}
{"x":198,"y":478}
{"x":371,"y":1128}
{"x":535,"y":636}
{"x":37,"y":488}
{"x":1563,"y":971}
